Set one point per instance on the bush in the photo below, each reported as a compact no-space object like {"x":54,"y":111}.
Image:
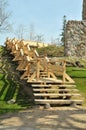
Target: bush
{"x":51,"y":51}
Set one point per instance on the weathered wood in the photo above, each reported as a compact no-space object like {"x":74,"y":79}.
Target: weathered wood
{"x":68,"y":78}
{"x":58,"y":101}
{"x":54,"y":90}
{"x":32,"y":77}
{"x":51,"y":78}
{"x":50,"y":85}
{"x":50,"y":74}
{"x":56,"y":94}
{"x":38,"y":69}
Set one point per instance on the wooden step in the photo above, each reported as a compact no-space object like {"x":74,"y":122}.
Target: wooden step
{"x":56,"y":94}
{"x":49,"y":85}
{"x":60,"y":101}
{"x":41,"y":85}
{"x":44,"y":85}
{"x":66,"y":85}
{"x":55,"y":90}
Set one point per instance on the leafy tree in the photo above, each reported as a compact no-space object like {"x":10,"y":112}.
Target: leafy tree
{"x":63,"y":39}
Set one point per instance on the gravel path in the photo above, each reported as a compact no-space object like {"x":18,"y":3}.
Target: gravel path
{"x":61,"y":118}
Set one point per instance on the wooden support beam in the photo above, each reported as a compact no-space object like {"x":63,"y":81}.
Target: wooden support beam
{"x":51,"y":75}
{"x":68,"y":78}
{"x":33,"y":76}
{"x":38,"y":69}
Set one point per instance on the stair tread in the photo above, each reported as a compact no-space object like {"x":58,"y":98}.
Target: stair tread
{"x":51,"y":89}
{"x":62,"y":100}
{"x":43,"y":85}
{"x":55,"y":101}
{"x":55,"y":94}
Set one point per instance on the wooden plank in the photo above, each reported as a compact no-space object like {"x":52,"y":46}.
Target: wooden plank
{"x":50,"y":85}
{"x":53,"y":80}
{"x":32,"y":77}
{"x":41,"y":85}
{"x":38,"y":69}
{"x":55,"y":101}
{"x":67,"y":77}
{"x":50,"y":74}
{"x":56,"y":90}
{"x":55,"y":94}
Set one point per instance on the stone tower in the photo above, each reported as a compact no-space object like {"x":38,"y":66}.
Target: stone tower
{"x":76,"y":36}
{"x":84,"y":10}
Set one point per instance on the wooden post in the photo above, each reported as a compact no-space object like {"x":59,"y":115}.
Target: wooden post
{"x":64,"y":70}
{"x":38,"y":69}
{"x":48,"y":70}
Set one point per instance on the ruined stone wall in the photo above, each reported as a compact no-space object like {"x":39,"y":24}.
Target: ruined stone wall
{"x":75,"y":44}
{"x":84,"y":10}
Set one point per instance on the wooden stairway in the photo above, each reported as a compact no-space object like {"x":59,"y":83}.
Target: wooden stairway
{"x":56,"y":94}
{"x":49,"y":80}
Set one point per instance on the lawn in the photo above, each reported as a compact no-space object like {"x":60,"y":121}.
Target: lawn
{"x":9,"y":89}
{"x":79,"y":76}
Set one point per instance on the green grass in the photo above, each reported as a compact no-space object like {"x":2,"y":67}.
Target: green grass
{"x":4,"y":107}
{"x":9,"y":89}
{"x":79,"y":76}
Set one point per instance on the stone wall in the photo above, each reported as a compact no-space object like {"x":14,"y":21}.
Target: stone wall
{"x":75,"y":38}
{"x":84,"y":10}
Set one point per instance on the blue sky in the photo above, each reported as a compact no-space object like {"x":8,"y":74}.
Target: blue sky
{"x":45,"y":15}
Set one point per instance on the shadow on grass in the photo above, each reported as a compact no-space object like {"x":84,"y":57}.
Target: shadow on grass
{"x":22,"y":93}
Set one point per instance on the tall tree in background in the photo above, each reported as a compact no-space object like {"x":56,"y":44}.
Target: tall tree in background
{"x":63,"y":29}
{"x":63,"y":39}
{"x":4,"y":17}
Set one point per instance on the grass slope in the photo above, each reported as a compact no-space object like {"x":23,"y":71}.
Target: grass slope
{"x":79,"y":75}
{"x":11,"y":87}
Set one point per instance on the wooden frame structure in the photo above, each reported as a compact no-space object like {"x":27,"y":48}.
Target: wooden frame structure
{"x":49,"y":80}
{"x":35,"y":67}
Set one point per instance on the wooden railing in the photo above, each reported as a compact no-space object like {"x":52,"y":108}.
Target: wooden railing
{"x":34,"y":66}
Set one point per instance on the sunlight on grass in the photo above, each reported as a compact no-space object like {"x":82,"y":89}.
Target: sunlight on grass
{"x":79,"y":75}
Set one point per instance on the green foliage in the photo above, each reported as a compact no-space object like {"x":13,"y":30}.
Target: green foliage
{"x":51,"y":51}
{"x":63,"y":30}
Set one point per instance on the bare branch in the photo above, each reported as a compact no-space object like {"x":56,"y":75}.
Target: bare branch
{"x":4,"y":16}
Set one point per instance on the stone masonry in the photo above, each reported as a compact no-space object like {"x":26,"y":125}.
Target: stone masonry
{"x":75,"y":36}
{"x":84,"y":10}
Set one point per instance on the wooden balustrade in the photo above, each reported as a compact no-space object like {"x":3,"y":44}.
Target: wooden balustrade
{"x":29,"y":59}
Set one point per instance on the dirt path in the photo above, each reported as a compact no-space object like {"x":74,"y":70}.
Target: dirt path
{"x":61,"y":118}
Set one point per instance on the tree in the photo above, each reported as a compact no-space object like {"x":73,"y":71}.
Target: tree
{"x":39,"y":38}
{"x":64,"y":29}
{"x":32,"y":32}
{"x":20,"y":31}
{"x":63,"y":39}
{"x":4,"y":16}
{"x":56,"y":41}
